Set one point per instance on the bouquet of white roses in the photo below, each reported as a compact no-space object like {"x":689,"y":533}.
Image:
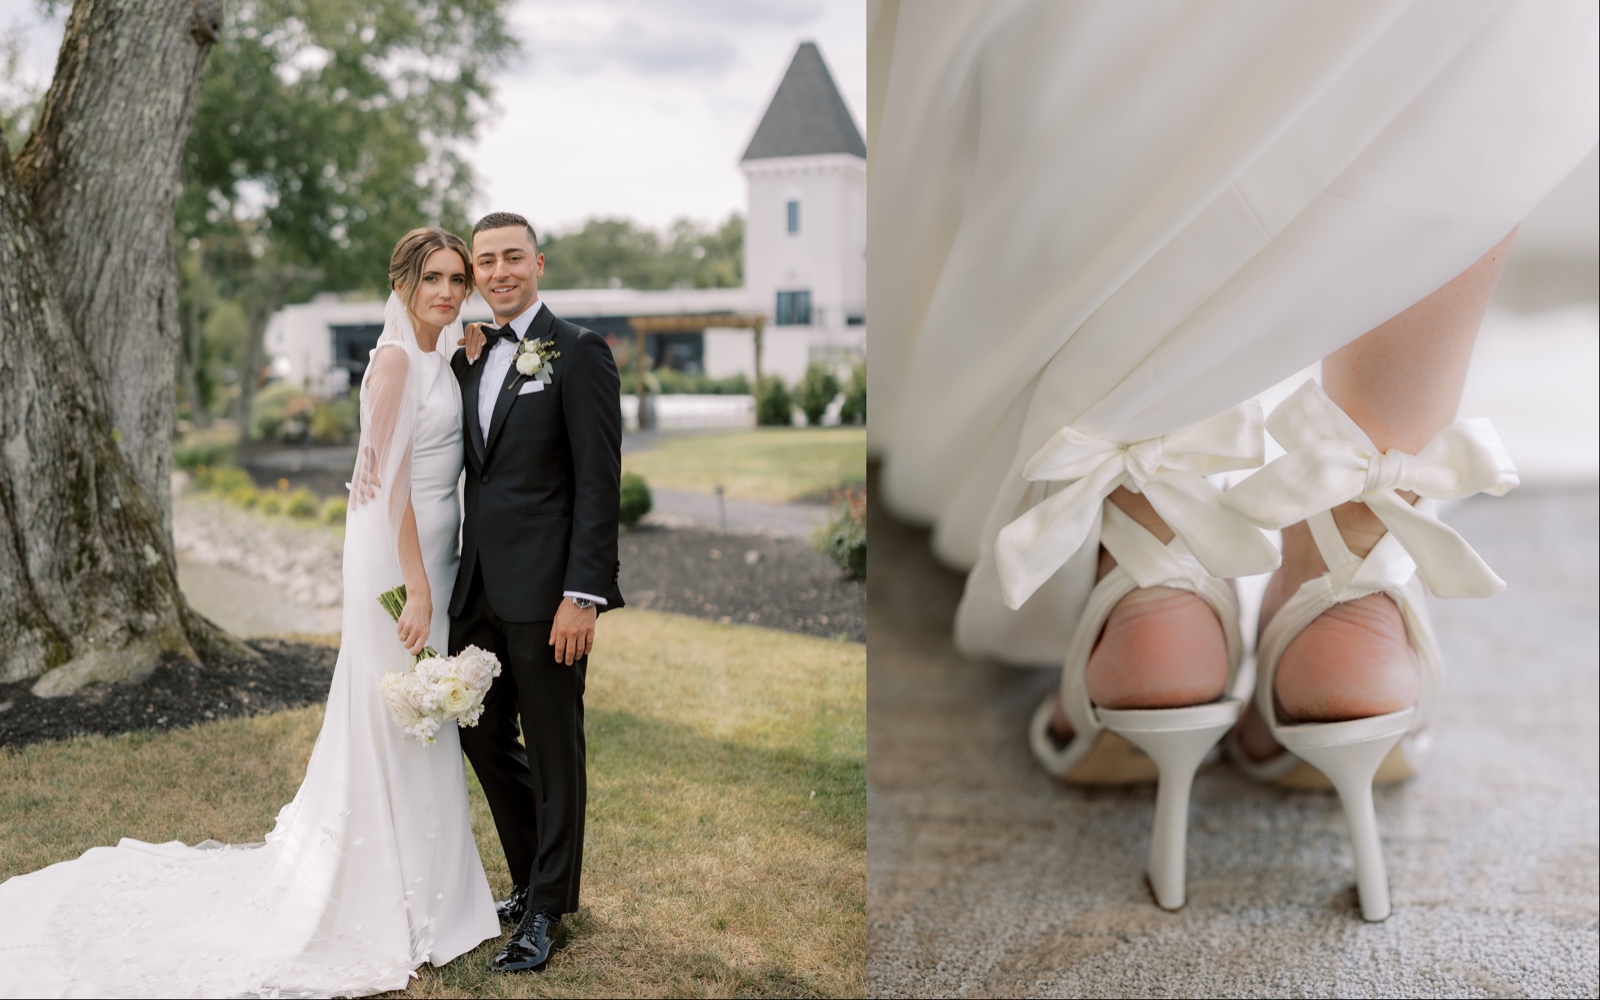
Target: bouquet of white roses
{"x":437,"y":689}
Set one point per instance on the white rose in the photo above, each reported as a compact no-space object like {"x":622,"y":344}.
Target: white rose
{"x":455,"y":698}
{"x":396,"y":696}
{"x":527,"y":364}
{"x":477,"y":668}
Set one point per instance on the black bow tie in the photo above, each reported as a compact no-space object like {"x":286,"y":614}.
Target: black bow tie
{"x":494,"y":333}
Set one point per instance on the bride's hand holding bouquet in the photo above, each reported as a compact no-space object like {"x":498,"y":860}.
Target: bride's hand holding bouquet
{"x":438,"y":689}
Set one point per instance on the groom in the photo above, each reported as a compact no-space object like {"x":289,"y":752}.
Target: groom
{"x":538,"y":564}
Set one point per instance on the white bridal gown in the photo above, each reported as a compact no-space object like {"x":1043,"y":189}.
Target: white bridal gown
{"x":372,"y":869}
{"x":1126,"y":216}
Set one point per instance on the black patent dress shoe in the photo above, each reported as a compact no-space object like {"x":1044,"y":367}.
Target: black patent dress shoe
{"x":512,"y":909}
{"x":530,"y":945}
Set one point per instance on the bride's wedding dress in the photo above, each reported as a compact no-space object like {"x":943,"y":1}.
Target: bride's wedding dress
{"x":1125,"y":218}
{"x":372,"y":869}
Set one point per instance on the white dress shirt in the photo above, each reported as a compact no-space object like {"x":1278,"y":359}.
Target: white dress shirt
{"x":496,"y":365}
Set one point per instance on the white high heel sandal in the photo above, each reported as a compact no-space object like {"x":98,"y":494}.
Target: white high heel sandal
{"x":1174,"y":741}
{"x":1208,"y":542}
{"x":1329,"y":461}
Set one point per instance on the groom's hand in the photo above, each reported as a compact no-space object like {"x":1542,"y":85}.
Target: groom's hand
{"x":472,"y":339}
{"x":573,"y":632}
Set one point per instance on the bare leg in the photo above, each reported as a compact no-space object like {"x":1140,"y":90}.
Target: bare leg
{"x":1401,"y":382}
{"x":1161,"y":647}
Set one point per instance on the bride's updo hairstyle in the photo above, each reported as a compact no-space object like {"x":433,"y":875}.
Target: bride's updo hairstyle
{"x":413,"y":250}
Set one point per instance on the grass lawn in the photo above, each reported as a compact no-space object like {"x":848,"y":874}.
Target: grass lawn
{"x":725,"y":851}
{"x":774,"y":464}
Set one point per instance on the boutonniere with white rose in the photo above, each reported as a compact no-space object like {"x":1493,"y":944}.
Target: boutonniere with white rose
{"x":535,"y":358}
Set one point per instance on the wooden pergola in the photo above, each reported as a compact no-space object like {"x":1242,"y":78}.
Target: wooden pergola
{"x":685,"y":323}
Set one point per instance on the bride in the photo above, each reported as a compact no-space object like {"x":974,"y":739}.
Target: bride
{"x":372,"y":869}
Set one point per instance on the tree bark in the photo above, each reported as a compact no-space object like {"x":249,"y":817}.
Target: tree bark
{"x":101,"y":168}
{"x":88,"y":342}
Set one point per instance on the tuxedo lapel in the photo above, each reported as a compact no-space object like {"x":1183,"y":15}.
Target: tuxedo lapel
{"x":539,"y":329}
{"x":469,"y":401}
{"x":502,"y":406}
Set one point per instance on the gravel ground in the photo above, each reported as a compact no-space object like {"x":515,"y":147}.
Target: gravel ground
{"x":302,"y":560}
{"x":178,"y":694}
{"x":772,"y":582}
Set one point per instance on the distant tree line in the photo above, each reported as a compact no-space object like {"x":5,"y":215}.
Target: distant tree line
{"x":619,"y":253}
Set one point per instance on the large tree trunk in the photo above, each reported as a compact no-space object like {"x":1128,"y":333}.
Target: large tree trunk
{"x":101,"y":168}
{"x":88,"y":341}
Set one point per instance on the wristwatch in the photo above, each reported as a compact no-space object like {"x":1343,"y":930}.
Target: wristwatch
{"x":581,"y":603}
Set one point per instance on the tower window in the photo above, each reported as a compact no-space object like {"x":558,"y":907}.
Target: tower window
{"x":792,"y":207}
{"x":794,"y":309}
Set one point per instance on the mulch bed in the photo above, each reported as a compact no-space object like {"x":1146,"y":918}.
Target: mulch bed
{"x":771,"y":582}
{"x":178,"y":694}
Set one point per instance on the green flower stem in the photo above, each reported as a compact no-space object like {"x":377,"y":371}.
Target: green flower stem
{"x":394,"y":602}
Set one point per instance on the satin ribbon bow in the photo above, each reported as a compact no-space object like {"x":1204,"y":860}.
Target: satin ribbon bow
{"x":1330,"y":460}
{"x":1169,"y":470}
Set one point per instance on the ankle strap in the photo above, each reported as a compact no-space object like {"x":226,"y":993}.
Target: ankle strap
{"x":1331,"y":460}
{"x":1169,"y":470}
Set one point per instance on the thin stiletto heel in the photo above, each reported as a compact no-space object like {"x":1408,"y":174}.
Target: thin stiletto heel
{"x":1329,"y":460}
{"x":1178,"y":740}
{"x":1139,"y":745}
{"x":1349,"y":754}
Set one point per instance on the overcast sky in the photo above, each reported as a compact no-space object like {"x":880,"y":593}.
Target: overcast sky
{"x":637,"y":108}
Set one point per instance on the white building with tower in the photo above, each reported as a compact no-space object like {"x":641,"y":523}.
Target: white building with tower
{"x":805,"y":230}
{"x":805,"y":266}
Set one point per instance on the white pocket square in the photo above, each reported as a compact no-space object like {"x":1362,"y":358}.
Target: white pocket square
{"x":532,"y":385}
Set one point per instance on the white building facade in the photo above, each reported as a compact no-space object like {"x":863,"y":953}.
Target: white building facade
{"x":805,"y":267}
{"x":805,"y":234}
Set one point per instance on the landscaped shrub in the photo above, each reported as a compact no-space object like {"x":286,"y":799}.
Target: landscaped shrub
{"x":271,"y":502}
{"x":333,"y":510}
{"x":669,"y":382}
{"x":245,"y":496}
{"x":844,"y":539}
{"x":773,"y":407}
{"x":815,"y":391}
{"x":225,"y":480}
{"x":635,"y":499}
{"x":285,"y":412}
{"x":208,"y":448}
{"x":302,"y":503}
{"x":854,"y":410}
{"x":333,"y":422}
{"x":272,"y":408}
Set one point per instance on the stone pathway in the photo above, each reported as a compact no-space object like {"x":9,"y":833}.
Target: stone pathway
{"x":682,"y":509}
{"x":259,"y":576}
{"x":256,"y":575}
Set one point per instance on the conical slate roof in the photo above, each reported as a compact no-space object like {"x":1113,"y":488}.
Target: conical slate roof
{"x":807,"y":117}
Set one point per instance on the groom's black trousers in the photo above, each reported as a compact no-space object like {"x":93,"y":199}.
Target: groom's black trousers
{"x":537,"y":793}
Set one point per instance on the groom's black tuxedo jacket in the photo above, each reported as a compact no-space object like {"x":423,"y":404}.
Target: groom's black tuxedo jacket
{"x":542,"y":496}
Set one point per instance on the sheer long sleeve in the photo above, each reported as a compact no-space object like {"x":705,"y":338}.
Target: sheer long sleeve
{"x":381,"y":485}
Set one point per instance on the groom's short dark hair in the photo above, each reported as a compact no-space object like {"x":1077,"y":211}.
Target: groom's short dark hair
{"x":503,"y":220}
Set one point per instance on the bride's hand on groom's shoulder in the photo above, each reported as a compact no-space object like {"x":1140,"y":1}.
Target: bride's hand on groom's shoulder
{"x":472,"y":340}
